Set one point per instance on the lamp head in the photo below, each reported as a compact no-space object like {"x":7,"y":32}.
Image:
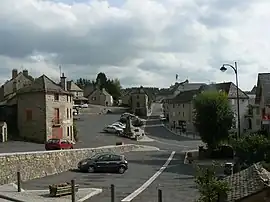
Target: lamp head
{"x":223,"y":68}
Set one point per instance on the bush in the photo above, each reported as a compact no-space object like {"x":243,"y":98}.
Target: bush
{"x":223,"y":152}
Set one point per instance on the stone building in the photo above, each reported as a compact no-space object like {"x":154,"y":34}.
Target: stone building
{"x":18,"y":80}
{"x":77,"y":92}
{"x":100,"y":97}
{"x":45,"y":110}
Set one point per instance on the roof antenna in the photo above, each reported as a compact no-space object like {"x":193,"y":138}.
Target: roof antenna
{"x":60,"y":70}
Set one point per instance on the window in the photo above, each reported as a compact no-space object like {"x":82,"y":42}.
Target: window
{"x":68,"y":131}
{"x":183,"y":105}
{"x":233,"y":101}
{"x":94,"y":98}
{"x":138,"y":104}
{"x":115,"y":158}
{"x":67,"y":98}
{"x":258,"y":122}
{"x":183,"y":114}
{"x":29,"y":115}
{"x":173,"y":105}
{"x":138,"y":97}
{"x":105,"y":157}
{"x":70,"y":113}
{"x":67,"y":113}
{"x":56,"y":97}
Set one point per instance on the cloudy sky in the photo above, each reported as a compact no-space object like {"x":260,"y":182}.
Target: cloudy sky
{"x":142,"y":42}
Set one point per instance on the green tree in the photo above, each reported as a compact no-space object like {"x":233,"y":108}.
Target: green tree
{"x":210,"y":188}
{"x":213,"y":117}
{"x":251,"y":148}
{"x":114,"y":88}
{"x":75,"y":132}
{"x":101,"y":80}
{"x":82,"y":82}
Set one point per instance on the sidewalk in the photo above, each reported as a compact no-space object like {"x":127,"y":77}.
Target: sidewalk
{"x":194,"y":137}
{"x":8,"y":192}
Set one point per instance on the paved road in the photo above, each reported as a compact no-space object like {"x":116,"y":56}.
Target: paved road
{"x":176,"y":182}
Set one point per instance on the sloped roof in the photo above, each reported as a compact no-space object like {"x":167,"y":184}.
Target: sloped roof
{"x":43,"y":84}
{"x":228,"y":87}
{"x":101,"y":91}
{"x":71,"y":86}
{"x":247,"y":182}
{"x":184,"y":97}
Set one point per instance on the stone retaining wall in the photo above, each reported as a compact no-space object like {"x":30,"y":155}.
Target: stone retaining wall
{"x":42,"y":163}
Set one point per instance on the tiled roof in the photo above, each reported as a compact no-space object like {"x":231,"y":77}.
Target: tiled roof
{"x":101,"y":91}
{"x":71,"y":86}
{"x":247,"y":182}
{"x":185,"y":96}
{"x":43,"y":84}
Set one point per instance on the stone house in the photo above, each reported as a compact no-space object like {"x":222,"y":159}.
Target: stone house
{"x":45,"y":110}
{"x":17,"y":81}
{"x":139,"y":101}
{"x":262,"y":99}
{"x":176,"y":90}
{"x":249,"y":185}
{"x":181,"y":110}
{"x":100,"y":97}
{"x":77,"y":92}
{"x":3,"y":132}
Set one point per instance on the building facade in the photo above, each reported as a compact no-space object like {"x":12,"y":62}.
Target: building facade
{"x":100,"y":97}
{"x":45,"y":110}
{"x":139,"y":102}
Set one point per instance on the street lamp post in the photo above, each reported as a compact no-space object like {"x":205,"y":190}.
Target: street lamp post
{"x":223,"y":69}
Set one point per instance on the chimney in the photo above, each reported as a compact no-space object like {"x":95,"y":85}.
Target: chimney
{"x":25,"y":72}
{"x":63,"y":81}
{"x":14,"y":73}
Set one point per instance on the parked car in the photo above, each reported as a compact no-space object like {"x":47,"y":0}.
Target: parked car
{"x":104,"y":163}
{"x":113,"y":129}
{"x":162,"y":117}
{"x":119,"y":125}
{"x":123,"y":117}
{"x":84,"y":106}
{"x":55,"y":144}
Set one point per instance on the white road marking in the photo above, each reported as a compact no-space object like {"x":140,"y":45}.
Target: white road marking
{"x":16,"y":187}
{"x":93,"y":193}
{"x":149,"y":181}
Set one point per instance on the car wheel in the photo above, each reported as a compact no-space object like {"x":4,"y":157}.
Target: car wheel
{"x":91,"y":169}
{"x":121,"y":170}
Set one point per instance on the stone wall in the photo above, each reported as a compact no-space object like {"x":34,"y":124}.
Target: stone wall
{"x":43,"y":163}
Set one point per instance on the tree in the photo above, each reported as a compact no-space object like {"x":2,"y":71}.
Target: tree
{"x":75,"y":132}
{"x":114,"y":88}
{"x":82,"y":82}
{"x":251,"y":148}
{"x":210,"y":188}
{"x":101,"y":80}
{"x":213,"y":117}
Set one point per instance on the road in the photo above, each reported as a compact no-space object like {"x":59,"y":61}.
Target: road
{"x":176,"y":181}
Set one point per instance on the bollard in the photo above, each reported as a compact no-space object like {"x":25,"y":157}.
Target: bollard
{"x":19,"y":181}
{"x":112,"y":193}
{"x":159,"y":195}
{"x":73,"y":198}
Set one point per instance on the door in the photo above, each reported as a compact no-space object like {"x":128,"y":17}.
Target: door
{"x":102,"y":163}
{"x":57,"y":133}
{"x":114,"y":162}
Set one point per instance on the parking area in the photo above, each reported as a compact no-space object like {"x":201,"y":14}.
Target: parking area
{"x":142,"y":166}
{"x":89,"y":126}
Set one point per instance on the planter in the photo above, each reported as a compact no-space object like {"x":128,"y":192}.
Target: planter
{"x":61,"y":189}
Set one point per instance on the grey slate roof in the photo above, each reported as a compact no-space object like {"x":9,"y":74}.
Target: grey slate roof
{"x":43,"y":84}
{"x":247,"y":182}
{"x":184,"y":97}
{"x":228,"y":87}
{"x":71,"y":86}
{"x":264,"y":83}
